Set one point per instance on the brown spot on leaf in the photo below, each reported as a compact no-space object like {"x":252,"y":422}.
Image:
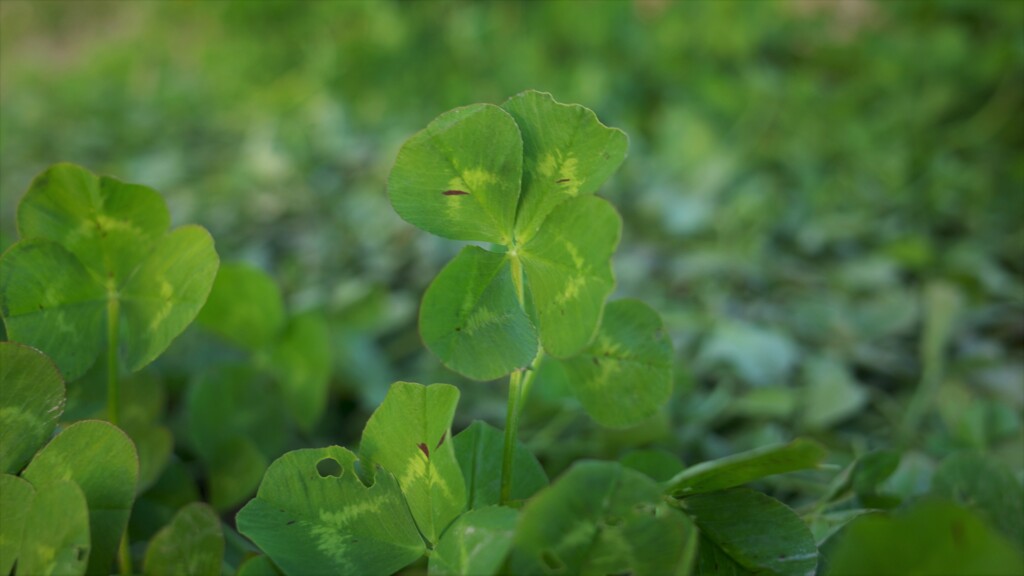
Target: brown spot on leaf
{"x":441,"y":441}
{"x":562,"y":181}
{"x":596,"y":361}
{"x":423,"y":448}
{"x":455,"y":193}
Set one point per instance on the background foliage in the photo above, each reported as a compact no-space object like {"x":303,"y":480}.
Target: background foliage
{"x":823,"y":200}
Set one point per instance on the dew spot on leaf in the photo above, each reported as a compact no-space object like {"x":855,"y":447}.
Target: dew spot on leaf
{"x":329,"y":467}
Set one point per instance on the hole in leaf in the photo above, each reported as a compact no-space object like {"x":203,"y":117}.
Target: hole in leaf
{"x":552,"y":563}
{"x":328,"y":467}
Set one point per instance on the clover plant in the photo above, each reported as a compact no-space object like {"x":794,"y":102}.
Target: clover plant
{"x":96,"y":252}
{"x":96,"y":267}
{"x":521,"y":179}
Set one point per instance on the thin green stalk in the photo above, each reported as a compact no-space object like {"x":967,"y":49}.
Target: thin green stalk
{"x":124,"y":556}
{"x":515,"y":398}
{"x":113,"y":392}
{"x":518,"y":388}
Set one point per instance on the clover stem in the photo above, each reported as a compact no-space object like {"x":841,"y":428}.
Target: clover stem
{"x":518,"y":388}
{"x":124,"y":556}
{"x":113,"y":392}
{"x":515,"y":397}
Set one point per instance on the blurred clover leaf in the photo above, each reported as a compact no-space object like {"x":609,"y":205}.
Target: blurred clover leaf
{"x":94,"y":249}
{"x":31,"y":401}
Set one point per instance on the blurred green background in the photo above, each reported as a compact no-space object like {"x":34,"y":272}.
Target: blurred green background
{"x":823,"y":199}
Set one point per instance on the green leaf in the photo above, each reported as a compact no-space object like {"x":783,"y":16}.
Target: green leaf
{"x":601,"y":518}
{"x":459,"y":177}
{"x":143,"y":404}
{"x":407,"y":435}
{"x":155,"y":507}
{"x":244,"y":306}
{"x":50,"y":302}
{"x":658,"y":465}
{"x":745,"y":467}
{"x":471,"y":318}
{"x":479,"y":450}
{"x":569,"y":273}
{"x":313,"y":515}
{"x":234,"y":402}
{"x":931,"y":538}
{"x":31,"y":402}
{"x":759,"y":356}
{"x":109,"y":225}
{"x":986,"y":485}
{"x":713,"y":561}
{"x":191,"y":544}
{"x":234,"y":473}
{"x":301,"y":359}
{"x":166,"y":292}
{"x":825,"y":525}
{"x":15,"y":505}
{"x":758,"y":532}
{"x":831,"y":394}
{"x":257,"y":566}
{"x":154,"y":445}
{"x":90,"y":241}
{"x":101,"y":459}
{"x":870,"y":473}
{"x":567,"y":153}
{"x":56,"y":535}
{"x":625,"y":374}
{"x":476,"y":543}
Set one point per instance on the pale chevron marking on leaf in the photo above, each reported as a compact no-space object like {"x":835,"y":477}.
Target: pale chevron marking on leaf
{"x":417,"y":468}
{"x":574,"y":254}
{"x":563,"y":171}
{"x":102,"y":223}
{"x":471,"y":181}
{"x":482,"y":318}
{"x":166,"y":293}
{"x":581,"y":533}
{"x":62,"y":324}
{"x":334,"y":543}
{"x":341,"y":518}
{"x":571,"y":290}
